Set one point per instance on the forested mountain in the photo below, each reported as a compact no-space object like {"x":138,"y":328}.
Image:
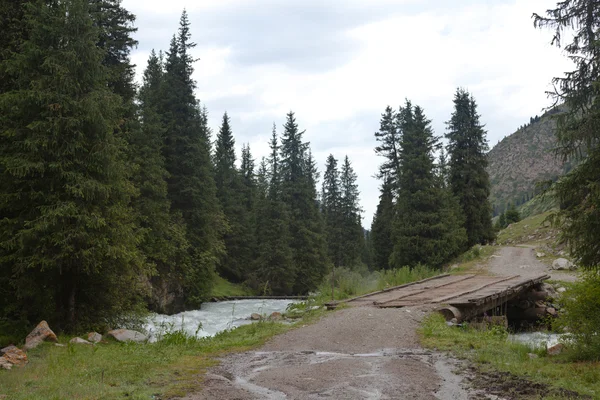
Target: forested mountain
{"x":521,"y":160}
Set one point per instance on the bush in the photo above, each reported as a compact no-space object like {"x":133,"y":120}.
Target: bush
{"x":581,"y":317}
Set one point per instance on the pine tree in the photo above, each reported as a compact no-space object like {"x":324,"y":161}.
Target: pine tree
{"x":381,"y":227}
{"x":427,"y":228}
{"x":331,"y":198}
{"x":388,"y":137}
{"x":306,"y":227}
{"x":164,"y":240}
{"x":230,"y":192}
{"x":191,"y":185}
{"x":578,"y":134}
{"x":67,"y":233}
{"x":274,"y":268}
{"x":351,"y":228}
{"x":468,"y":176}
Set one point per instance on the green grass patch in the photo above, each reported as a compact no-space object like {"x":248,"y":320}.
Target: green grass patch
{"x":351,"y":283}
{"x":224,"y":288}
{"x":170,"y":368}
{"x":469,"y":261}
{"x":493,"y":351}
{"x":533,"y":229}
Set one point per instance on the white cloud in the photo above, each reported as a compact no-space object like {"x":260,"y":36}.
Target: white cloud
{"x":418,"y":52}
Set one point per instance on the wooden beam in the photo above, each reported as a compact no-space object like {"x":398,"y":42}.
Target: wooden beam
{"x":377,"y":303}
{"x":476,"y":289}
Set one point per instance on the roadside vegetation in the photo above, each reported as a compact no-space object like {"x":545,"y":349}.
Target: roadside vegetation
{"x":491,"y":350}
{"x":171,"y":367}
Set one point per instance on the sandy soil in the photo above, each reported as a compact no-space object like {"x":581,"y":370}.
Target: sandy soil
{"x":522,"y":261}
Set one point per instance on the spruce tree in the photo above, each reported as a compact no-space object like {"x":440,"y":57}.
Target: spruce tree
{"x":381,"y":227}
{"x":67,"y":233}
{"x":233,"y":265}
{"x":299,"y":193}
{"x":274,"y":271}
{"x":164,"y":240}
{"x":427,"y":227}
{"x":351,"y":228}
{"x":578,"y":134}
{"x":191,"y":185}
{"x":331,"y":206}
{"x":388,"y":137}
{"x":467,"y":175}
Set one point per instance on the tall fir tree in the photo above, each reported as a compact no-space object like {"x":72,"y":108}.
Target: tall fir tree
{"x":331,"y":206}
{"x":67,"y":234}
{"x":575,"y":28}
{"x":274,"y":271}
{"x":351,"y":227}
{"x":299,"y":193}
{"x":233,"y":265}
{"x":164,"y":240}
{"x":381,"y":227}
{"x":389,"y":136}
{"x":467,"y":175}
{"x":191,"y":185}
{"x":427,"y":228}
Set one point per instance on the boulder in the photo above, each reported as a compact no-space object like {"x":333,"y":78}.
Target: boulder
{"x":552,"y":293}
{"x":78,"y":340}
{"x":94,"y":337}
{"x":15,"y":356}
{"x":255,"y":317}
{"x":4,"y":364}
{"x":126,"y":335}
{"x":561,"y":290}
{"x":551,"y":311}
{"x":41,"y":333}
{"x":276,"y":316}
{"x":7,"y":349}
{"x":556,"y":349}
{"x":562,"y":264}
{"x":532,"y":355}
{"x":540,"y":255}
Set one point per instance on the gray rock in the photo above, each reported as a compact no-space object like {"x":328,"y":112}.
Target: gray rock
{"x":94,"y":337}
{"x":276,"y":316}
{"x":255,"y":317}
{"x":549,"y":289}
{"x":562,"y":264}
{"x":4,"y":364}
{"x":532,"y":355}
{"x":126,"y":335}
{"x":561,"y":290}
{"x":78,"y":340}
{"x":7,"y":349}
{"x":540,"y":255}
{"x":556,"y":349}
{"x":41,"y":333}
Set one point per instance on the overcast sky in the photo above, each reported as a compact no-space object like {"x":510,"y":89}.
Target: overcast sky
{"x":338,"y":64}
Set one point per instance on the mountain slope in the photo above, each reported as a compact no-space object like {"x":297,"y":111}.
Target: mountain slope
{"x":521,"y":160}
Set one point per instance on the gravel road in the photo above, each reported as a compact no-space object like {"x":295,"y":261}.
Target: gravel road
{"x":522,"y":261}
{"x":354,"y":353}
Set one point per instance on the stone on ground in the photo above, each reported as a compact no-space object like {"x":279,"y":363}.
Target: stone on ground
{"x":78,"y":340}
{"x":556,"y":349}
{"x":14,"y":356}
{"x":94,"y":337}
{"x":4,"y":364}
{"x":255,"y":317}
{"x":276,"y":316}
{"x":41,"y":333}
{"x":562,"y":264}
{"x":126,"y":335}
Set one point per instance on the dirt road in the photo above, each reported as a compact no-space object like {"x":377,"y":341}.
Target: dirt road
{"x":522,"y":261}
{"x":355,"y":353}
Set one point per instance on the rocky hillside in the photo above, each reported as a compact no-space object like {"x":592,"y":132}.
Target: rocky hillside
{"x":521,"y":160}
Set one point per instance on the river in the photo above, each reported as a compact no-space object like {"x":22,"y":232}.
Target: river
{"x":213,"y":318}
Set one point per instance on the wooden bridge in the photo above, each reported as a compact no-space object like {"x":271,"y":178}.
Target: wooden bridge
{"x":458,"y":296}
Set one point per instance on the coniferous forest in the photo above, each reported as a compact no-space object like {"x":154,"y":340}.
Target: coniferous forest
{"x":117,"y":196}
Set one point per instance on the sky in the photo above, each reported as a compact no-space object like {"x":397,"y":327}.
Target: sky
{"x":337,"y":64}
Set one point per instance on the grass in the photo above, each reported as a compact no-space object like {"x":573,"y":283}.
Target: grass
{"x":224,"y":288}
{"x":169,"y":368}
{"x":533,"y":229}
{"x":492,"y":351}
{"x":350,"y":283}
{"x":472,"y":260}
